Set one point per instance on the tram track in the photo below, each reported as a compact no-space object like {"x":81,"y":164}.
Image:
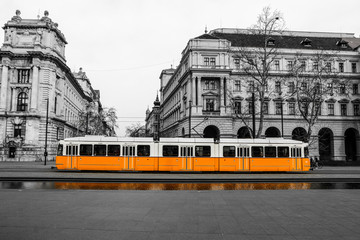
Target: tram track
{"x":180,"y":180}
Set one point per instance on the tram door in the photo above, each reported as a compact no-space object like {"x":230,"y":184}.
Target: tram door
{"x":296,"y":158}
{"x":243,"y":153}
{"x":72,"y":156}
{"x":186,"y":154}
{"x":129,"y":157}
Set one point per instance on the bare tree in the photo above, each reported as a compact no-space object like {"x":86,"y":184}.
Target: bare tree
{"x":135,"y":130}
{"x":312,"y":85}
{"x":110,"y":121}
{"x":95,"y":121}
{"x":257,"y":61}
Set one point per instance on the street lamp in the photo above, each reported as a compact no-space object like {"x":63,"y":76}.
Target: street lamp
{"x":190,"y":105}
{"x":46,"y":130}
{"x":282,"y":116}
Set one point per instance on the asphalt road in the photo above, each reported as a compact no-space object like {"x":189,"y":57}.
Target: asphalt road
{"x":74,"y":210}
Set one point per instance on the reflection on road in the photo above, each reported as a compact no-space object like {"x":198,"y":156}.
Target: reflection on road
{"x":184,"y":186}
{"x":175,"y":186}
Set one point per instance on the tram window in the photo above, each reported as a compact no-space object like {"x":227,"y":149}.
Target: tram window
{"x":143,"y":150}
{"x":113,"y":150}
{"x":202,"y":151}
{"x":229,"y":151}
{"x":283,"y":152}
{"x":85,"y":149}
{"x":170,"y":151}
{"x":99,"y":150}
{"x":270,"y":151}
{"x":257,"y":151}
{"x":60,"y":150}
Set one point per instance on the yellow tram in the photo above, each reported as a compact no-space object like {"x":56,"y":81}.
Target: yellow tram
{"x":182,"y":154}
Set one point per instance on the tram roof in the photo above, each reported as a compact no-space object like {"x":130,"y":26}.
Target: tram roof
{"x":94,"y":138}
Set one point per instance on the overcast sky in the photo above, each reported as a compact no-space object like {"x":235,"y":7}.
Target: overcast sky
{"x":123,"y":45}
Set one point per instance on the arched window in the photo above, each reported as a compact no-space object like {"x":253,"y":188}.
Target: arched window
{"x":22,"y":102}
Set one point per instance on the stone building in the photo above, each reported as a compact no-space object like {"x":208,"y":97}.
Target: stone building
{"x":195,"y":99}
{"x":34,"y":75}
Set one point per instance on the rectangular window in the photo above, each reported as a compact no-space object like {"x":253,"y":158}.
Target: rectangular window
{"x":355,"y":88}
{"x":237,"y":107}
{"x":85,"y":149}
{"x":283,"y":152}
{"x":212,"y":62}
{"x":23,"y":75}
{"x":277,"y":65}
{"x":331,"y":109}
{"x":341,"y":67}
{"x":303,"y":65}
{"x":353,"y":67}
{"x":251,"y":86}
{"x":250,"y":107}
{"x":113,"y":150}
{"x":237,"y":86}
{"x":291,"y":108}
{"x":278,"y":108}
{"x":278,"y":87}
{"x":342,"y":89}
{"x":356,"y":109}
{"x":206,"y":61}
{"x":315,"y":66}
{"x":143,"y":150}
{"x":60,"y":150}
{"x":343,"y":108}
{"x":229,"y":151}
{"x":289,"y":65}
{"x":291,"y":87}
{"x":266,"y":108}
{"x":17,"y":130}
{"x":328,"y":66}
{"x":210,"y":105}
{"x":318,"y":108}
{"x":257,"y":152}
{"x":170,"y":151}
{"x":99,"y":150}
{"x":202,"y":151}
{"x":317,"y":88}
{"x":270,"y":152}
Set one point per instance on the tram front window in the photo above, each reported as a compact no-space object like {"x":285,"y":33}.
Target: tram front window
{"x":60,"y":150}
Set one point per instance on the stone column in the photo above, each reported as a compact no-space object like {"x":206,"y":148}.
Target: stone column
{"x":199,"y":91}
{"x":221,"y":95}
{"x":34,"y":89}
{"x":193,"y":89}
{"x":4,"y":88}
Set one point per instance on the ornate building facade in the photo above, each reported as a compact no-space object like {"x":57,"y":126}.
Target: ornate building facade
{"x":35,"y":82}
{"x":201,"y":97}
